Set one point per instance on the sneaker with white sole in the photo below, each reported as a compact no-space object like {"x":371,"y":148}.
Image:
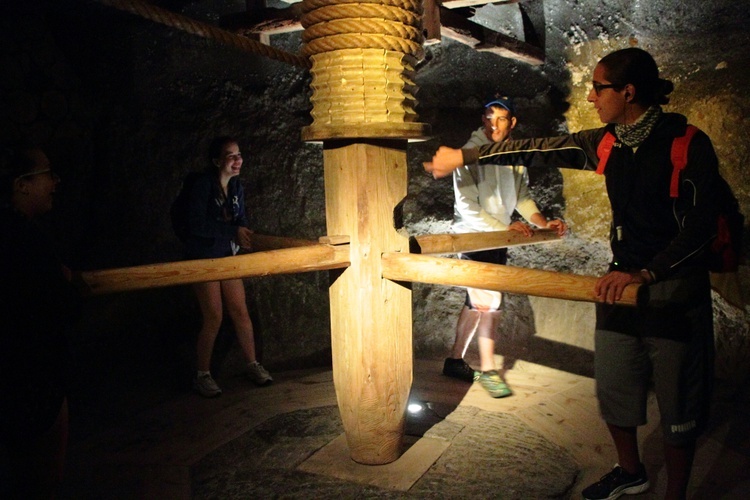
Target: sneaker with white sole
{"x":205,"y":385}
{"x":258,"y":374}
{"x":494,"y":384}
{"x":616,"y":483}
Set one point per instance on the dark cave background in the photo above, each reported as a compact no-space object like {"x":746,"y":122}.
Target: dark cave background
{"x":126,"y":107}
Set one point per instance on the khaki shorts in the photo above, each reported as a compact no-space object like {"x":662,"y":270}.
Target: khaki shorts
{"x":485,"y":300}
{"x":679,"y":372}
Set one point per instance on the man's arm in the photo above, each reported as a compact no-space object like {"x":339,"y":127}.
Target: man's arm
{"x":568,"y":151}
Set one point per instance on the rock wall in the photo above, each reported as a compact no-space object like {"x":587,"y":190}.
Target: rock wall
{"x":126,"y":107}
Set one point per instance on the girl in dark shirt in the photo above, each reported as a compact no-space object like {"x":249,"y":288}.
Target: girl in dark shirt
{"x":218,"y":228}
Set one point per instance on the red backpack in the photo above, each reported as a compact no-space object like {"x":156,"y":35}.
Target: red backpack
{"x":725,"y":252}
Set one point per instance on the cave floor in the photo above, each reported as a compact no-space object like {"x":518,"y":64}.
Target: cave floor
{"x":286,"y":441}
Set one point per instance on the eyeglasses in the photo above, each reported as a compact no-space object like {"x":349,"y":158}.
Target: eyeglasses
{"x":49,"y":171}
{"x":598,"y":87}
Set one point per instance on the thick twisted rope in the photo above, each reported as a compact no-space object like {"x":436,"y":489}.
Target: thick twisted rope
{"x":361,"y":41}
{"x":360,"y":25}
{"x":188,"y":25}
{"x":349,"y":11}
{"x":393,"y":25}
{"x":412,"y":5}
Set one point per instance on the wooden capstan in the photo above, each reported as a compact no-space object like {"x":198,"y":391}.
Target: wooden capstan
{"x":363,"y":54}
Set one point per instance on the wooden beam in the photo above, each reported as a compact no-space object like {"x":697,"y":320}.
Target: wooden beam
{"x":262,"y":23}
{"x":263,"y":242}
{"x":290,"y":260}
{"x":472,"y":242}
{"x":455,"y":272}
{"x":481,"y":38}
{"x":431,"y":21}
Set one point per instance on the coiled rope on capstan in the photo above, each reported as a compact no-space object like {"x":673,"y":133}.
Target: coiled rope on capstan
{"x":168,"y":18}
{"x":362,"y":41}
{"x":363,"y":54}
{"x":412,"y":5}
{"x":360,"y":25}
{"x":344,"y":24}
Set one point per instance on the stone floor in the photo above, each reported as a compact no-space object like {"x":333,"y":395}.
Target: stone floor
{"x":286,"y":441}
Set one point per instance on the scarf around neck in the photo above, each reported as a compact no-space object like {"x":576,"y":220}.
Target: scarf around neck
{"x":635,"y":133}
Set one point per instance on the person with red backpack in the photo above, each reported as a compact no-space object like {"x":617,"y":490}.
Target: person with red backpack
{"x":657,"y":240}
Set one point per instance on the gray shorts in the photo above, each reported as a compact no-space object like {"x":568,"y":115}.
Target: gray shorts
{"x":679,"y":371}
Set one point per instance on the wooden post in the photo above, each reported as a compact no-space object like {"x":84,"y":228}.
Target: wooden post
{"x":370,"y":316}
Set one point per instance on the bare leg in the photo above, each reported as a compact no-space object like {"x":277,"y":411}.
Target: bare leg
{"x":209,"y":299}
{"x":626,"y":442}
{"x":487,"y":328}
{"x":234,"y":298}
{"x":679,"y":462}
{"x":468,"y":320}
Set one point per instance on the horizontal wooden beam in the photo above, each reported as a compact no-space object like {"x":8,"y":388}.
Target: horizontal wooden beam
{"x":472,"y":242}
{"x":263,"y":242}
{"x":455,"y":272}
{"x":289,"y":260}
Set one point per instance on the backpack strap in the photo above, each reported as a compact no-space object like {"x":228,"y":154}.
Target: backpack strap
{"x":603,"y":151}
{"x":679,"y":158}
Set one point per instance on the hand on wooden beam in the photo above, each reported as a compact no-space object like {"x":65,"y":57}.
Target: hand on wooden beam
{"x":610,"y":287}
{"x":245,"y":238}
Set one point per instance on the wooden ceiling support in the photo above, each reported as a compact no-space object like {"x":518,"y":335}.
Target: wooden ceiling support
{"x":456,"y":26}
{"x":450,"y":19}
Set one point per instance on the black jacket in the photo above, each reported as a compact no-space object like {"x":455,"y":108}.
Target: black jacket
{"x":657,"y":232}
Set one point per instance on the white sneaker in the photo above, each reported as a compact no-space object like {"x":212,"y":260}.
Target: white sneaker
{"x":206,"y":386}
{"x":258,"y":374}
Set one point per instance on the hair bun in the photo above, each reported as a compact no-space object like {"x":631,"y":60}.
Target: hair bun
{"x":666,"y":86}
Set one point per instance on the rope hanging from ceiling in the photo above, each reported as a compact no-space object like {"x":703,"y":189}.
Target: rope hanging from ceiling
{"x":168,"y":18}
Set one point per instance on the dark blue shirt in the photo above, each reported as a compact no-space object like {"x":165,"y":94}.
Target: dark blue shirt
{"x":213,"y":218}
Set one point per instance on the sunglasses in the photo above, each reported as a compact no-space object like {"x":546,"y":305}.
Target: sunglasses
{"x":37,"y":172}
{"x":598,"y":87}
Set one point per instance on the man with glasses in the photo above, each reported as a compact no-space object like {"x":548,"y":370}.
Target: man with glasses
{"x":38,"y":304}
{"x":662,"y":225}
{"x":485,"y":199}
